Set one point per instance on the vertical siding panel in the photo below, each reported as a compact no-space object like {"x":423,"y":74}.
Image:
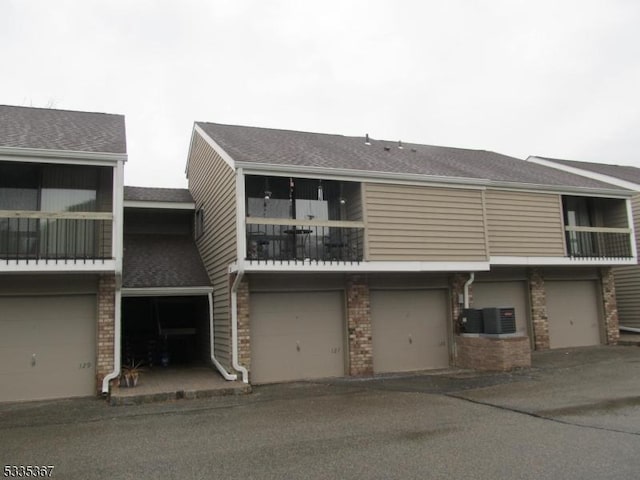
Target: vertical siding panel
{"x":212,"y":185}
{"x":413,"y":223}
{"x":525,"y":224}
{"x":628,"y":280}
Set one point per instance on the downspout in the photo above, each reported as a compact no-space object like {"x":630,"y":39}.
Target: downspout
{"x":241,"y":251}
{"x":472,"y":277}
{"x":117,"y":251}
{"x":234,"y":323}
{"x":221,"y":369}
{"x":629,"y":329}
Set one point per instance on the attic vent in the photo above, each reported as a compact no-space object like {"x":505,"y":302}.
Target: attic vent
{"x":366,"y":139}
{"x":414,"y":150}
{"x":400,"y":144}
{"x":386,"y":149}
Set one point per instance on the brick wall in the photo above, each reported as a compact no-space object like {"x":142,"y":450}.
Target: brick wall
{"x":610,"y":306}
{"x":105,"y":328}
{"x":244,"y":334}
{"x":359,"y":327}
{"x":539,"y":318}
{"x":492,"y":353}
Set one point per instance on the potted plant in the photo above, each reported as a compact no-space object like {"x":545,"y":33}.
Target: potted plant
{"x":131,"y":373}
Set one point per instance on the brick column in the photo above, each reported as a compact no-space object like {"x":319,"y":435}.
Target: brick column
{"x":105,"y":328}
{"x":539,"y":317}
{"x":608,"y":289}
{"x":244,"y":334}
{"x":359,"y":326}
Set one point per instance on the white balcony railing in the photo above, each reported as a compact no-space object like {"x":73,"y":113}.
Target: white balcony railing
{"x":598,"y":242}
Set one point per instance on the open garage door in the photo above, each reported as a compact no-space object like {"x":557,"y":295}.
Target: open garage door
{"x":296,"y":336}
{"x":574,"y":313}
{"x":505,"y":294}
{"x":409,"y":329}
{"x":47,"y":347}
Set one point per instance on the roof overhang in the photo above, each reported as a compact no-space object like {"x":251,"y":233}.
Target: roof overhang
{"x":585,"y":173}
{"x":166,"y":291}
{"x":43,"y":155}
{"x":251,"y":168}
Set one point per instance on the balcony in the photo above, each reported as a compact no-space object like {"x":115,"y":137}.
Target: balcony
{"x":67,"y":237}
{"x":305,"y":241}
{"x":598,"y":242}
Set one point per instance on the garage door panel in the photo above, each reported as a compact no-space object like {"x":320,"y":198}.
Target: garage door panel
{"x":573,"y":312}
{"x":60,"y":331}
{"x":295,"y":336}
{"x":504,"y":294}
{"x":409,"y":329}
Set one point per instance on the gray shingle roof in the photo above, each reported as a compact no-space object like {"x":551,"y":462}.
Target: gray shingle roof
{"x":147,"y":194}
{"x":26,"y":127}
{"x":162,"y":261}
{"x":285,"y":147}
{"x":623,"y":172}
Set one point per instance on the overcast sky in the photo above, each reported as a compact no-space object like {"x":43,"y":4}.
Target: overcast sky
{"x":553,"y":78}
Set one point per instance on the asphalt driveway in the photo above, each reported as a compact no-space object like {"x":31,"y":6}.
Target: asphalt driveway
{"x":575,"y":414}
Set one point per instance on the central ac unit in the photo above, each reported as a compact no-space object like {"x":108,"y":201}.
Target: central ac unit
{"x":499,"y":320}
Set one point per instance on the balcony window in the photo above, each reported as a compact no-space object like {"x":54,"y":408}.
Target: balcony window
{"x":596,"y":227}
{"x":303,"y":218}
{"x":32,"y":189}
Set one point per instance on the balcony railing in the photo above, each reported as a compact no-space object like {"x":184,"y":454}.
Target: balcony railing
{"x":595,"y":242}
{"x":76,"y":236}
{"x":284,"y":241}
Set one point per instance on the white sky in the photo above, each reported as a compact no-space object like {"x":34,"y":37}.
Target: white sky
{"x":554,"y":78}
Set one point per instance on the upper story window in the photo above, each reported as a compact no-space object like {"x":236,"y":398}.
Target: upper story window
{"x":55,"y":188}
{"x":302,"y":198}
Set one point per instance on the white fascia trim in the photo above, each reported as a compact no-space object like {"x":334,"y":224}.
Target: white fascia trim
{"x":416,"y":179}
{"x":118,"y":216}
{"x":252,"y":168}
{"x":308,"y":266}
{"x":43,"y":155}
{"x":241,"y":237}
{"x":632,"y":225}
{"x":585,"y":173}
{"x":160,"y":205}
{"x":166,"y":291}
{"x":59,"y":266}
{"x":559,"y":261}
{"x":212,"y":143}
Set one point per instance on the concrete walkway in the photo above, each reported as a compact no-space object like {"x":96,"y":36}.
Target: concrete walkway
{"x":162,"y":384}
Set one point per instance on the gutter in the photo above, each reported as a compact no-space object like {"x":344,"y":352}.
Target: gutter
{"x":234,"y":323}
{"x":221,"y":369}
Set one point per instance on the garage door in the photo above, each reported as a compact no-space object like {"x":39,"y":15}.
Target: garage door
{"x":574,"y":313}
{"x":47,"y":347}
{"x":504,"y":294}
{"x":296,"y":336}
{"x":409,"y":329}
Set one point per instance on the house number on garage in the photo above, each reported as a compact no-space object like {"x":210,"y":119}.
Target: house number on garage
{"x":85,"y":365}
{"x":336,"y":350}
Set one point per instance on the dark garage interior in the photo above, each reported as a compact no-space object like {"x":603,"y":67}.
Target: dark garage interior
{"x":165,"y":331}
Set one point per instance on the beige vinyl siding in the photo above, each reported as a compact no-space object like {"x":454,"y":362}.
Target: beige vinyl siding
{"x":407,"y":223}
{"x":212,"y":185}
{"x":628,"y":280}
{"x":525,"y":224}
